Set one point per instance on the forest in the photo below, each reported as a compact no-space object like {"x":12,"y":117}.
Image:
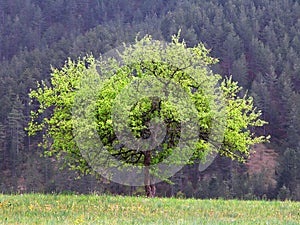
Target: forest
{"x":257,"y":42}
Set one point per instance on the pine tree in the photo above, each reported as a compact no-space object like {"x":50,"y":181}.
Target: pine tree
{"x":16,"y":124}
{"x":2,"y":146}
{"x":240,"y":71}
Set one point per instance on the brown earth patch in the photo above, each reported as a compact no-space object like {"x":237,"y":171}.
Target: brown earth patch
{"x":263,"y":160}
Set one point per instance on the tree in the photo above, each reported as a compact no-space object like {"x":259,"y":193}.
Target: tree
{"x":289,"y":172}
{"x":139,"y":119}
{"x":240,"y":71}
{"x":16,"y":122}
{"x":2,"y":145}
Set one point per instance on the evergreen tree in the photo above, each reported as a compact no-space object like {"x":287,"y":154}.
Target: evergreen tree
{"x":2,"y":146}
{"x":16,"y":124}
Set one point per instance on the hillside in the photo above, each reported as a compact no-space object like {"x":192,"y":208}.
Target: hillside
{"x":257,"y":42}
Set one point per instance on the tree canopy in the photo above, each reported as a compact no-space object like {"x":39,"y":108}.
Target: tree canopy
{"x":138,"y":114}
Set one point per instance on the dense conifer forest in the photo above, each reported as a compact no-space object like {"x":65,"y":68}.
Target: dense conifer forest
{"x":256,"y":41}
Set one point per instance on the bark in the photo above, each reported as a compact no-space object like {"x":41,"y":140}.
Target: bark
{"x":150,"y":188}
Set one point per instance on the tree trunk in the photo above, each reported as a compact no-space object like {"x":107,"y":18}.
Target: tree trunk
{"x":149,"y":187}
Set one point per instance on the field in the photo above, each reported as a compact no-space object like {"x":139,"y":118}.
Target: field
{"x":95,"y":209}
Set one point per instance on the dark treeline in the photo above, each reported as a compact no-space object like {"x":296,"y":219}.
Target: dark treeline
{"x":257,"y":42}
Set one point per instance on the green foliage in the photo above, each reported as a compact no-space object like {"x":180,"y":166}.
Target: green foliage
{"x":57,"y":128}
{"x":164,"y":65}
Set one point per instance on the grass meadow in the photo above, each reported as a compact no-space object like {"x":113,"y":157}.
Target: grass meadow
{"x":98,"y":209}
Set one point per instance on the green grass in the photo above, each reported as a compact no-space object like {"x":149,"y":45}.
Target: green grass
{"x":93,"y":209}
